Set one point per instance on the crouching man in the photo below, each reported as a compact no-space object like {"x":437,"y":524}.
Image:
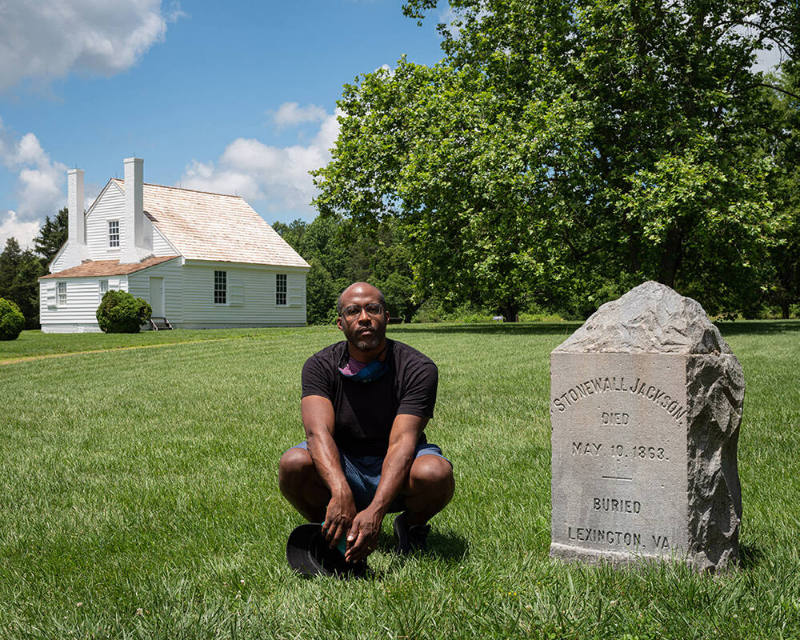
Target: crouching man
{"x":365,"y":405}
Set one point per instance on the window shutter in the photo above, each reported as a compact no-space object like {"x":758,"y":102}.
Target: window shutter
{"x":294,"y":293}
{"x":235,"y":290}
{"x":50,"y":295}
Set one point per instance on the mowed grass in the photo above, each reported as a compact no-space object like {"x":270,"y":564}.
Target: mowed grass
{"x":35,"y":344}
{"x":139,"y":499}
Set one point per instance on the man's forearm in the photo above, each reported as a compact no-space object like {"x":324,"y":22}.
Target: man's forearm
{"x":396,"y":466}
{"x":325,"y":455}
{"x":318,"y":420}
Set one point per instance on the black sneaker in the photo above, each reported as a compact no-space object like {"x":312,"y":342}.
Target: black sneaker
{"x":410,"y":538}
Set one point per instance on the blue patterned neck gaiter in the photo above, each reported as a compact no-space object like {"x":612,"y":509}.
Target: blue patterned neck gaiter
{"x":360,"y":372}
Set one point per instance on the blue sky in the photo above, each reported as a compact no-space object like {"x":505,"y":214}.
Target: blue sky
{"x":237,"y":97}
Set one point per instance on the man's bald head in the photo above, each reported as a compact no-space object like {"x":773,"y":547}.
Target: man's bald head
{"x":361,"y":288}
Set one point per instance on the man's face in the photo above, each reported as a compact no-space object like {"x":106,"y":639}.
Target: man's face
{"x":363,"y":318}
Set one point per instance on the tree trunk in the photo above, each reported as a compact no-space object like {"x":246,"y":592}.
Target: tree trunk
{"x":510,"y":312}
{"x":671,"y":258}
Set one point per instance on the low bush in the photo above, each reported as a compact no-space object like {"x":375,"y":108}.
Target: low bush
{"x":11,"y":320}
{"x":541,"y":316}
{"x":121,"y":312}
{"x":434,"y":310}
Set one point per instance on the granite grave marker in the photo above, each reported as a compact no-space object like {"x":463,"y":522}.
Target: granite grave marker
{"x":645,"y":404}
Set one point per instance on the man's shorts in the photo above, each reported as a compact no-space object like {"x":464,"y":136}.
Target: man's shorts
{"x":363,"y":474}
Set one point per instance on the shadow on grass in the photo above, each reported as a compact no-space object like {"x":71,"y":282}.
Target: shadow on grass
{"x":506,"y":328}
{"x":445,"y":546}
{"x":750,"y":556}
{"x":757,"y":327}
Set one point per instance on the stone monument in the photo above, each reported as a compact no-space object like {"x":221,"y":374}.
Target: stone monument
{"x":645,"y":404}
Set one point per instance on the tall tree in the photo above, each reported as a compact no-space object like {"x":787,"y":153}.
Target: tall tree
{"x":784,"y":147}
{"x":340,"y":253}
{"x":10,"y":260}
{"x":52,"y":235}
{"x":19,"y":273}
{"x":25,"y":288}
{"x":564,"y":150}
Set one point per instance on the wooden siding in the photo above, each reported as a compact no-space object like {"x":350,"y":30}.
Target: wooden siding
{"x":109,"y":206}
{"x":65,"y":259}
{"x":172,"y":273}
{"x":83,"y":298}
{"x":160,"y":245}
{"x":251,"y":297}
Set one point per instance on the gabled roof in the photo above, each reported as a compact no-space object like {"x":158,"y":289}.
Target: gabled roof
{"x":95,"y":268}
{"x":213,"y":226}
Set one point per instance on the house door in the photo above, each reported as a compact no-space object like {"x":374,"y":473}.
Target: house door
{"x":157,"y":297}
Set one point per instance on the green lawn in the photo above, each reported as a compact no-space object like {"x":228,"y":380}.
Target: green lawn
{"x":35,"y":343}
{"x":138,"y":498}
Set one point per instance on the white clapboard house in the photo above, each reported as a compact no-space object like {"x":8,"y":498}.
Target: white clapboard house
{"x":202,"y":260}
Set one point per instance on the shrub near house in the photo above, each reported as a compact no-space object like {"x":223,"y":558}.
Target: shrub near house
{"x":11,"y":320}
{"x":121,"y":312}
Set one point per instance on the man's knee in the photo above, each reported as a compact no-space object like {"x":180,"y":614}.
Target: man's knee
{"x":432,"y":473}
{"x":295,"y":465}
{"x":301,"y":485}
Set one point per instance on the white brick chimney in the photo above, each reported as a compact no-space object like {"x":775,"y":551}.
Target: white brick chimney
{"x":133,"y":248}
{"x":76,"y":226}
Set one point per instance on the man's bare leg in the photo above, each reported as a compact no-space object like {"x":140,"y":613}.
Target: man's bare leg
{"x":429,"y":488}
{"x":301,"y":485}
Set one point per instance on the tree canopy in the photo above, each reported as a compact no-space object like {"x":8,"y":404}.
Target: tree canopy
{"x":784,"y":288}
{"x":565,"y":150}
{"x":52,"y":235}
{"x":19,"y":273}
{"x":341,"y":253}
{"x":20,"y":270}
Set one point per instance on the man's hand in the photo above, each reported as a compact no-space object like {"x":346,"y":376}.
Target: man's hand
{"x":318,"y":420}
{"x":338,"y":517}
{"x":363,"y":535}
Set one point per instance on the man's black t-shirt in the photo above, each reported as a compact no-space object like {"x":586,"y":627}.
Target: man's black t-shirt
{"x":364,"y":411}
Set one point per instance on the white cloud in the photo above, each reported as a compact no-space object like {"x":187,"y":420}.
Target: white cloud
{"x":41,"y":190}
{"x":40,"y":185}
{"x":40,"y":181}
{"x":12,"y":227}
{"x":46,"y":39}
{"x":276,"y":176}
{"x":291,"y":114}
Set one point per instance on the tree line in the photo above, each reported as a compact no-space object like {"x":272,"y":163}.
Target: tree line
{"x":20,"y":270}
{"x":341,"y":252}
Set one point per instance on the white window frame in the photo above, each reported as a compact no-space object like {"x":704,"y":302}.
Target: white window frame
{"x":102,"y":288}
{"x":220,"y":287}
{"x":281,"y":289}
{"x":113,"y":235}
{"x":61,"y":293}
